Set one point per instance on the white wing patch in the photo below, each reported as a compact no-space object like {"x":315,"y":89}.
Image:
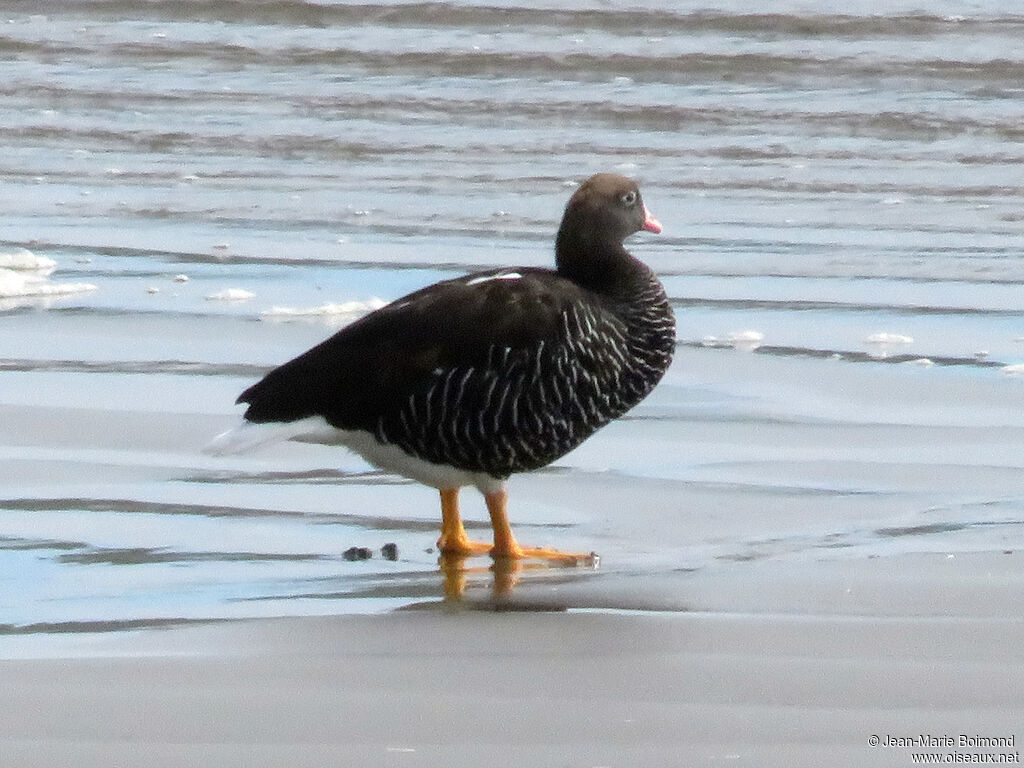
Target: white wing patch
{"x":488,"y":278}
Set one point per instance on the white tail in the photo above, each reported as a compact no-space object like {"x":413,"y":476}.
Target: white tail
{"x":248,"y":436}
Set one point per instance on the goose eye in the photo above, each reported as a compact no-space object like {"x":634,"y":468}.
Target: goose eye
{"x":629,"y":198}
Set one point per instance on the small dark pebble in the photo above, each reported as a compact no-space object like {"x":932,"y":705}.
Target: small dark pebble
{"x":357,"y":553}
{"x":389,"y":551}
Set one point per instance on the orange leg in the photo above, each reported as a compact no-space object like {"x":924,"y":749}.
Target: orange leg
{"x":453,"y":540}
{"x":506,"y":546}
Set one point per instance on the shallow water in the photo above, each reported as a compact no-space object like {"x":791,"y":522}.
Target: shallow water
{"x":843,"y":205}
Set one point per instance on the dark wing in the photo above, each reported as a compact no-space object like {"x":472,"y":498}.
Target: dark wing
{"x":452,"y":372}
{"x":496,"y":372}
{"x":361,"y":371}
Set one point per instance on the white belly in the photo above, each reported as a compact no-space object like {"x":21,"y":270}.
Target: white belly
{"x":390,"y":458}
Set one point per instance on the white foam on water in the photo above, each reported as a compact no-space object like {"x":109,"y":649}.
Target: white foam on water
{"x":231,"y":294}
{"x":24,"y":278}
{"x":329,"y":312}
{"x":24,"y":259}
{"x":745,"y":337}
{"x":15,"y":285}
{"x":746,"y":341}
{"x":888,"y":338}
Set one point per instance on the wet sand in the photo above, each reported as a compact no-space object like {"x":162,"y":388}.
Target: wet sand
{"x":795,"y":664}
{"x":777,"y":612}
